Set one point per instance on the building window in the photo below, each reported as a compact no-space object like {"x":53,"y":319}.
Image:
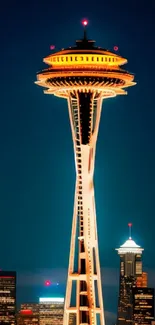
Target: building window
{"x":66,"y":58}
{"x":87,"y":58}
{"x":138,"y":267}
{"x":122,"y":268}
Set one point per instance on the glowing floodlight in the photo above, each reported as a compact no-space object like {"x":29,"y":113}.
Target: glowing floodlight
{"x":49,"y":299}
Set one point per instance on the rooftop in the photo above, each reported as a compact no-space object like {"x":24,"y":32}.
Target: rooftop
{"x":84,"y":46}
{"x":130,"y":247}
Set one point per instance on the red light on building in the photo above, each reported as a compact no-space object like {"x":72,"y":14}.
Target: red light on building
{"x":6,"y":277}
{"x":84,"y":22}
{"x":47,"y":283}
{"x":26,"y":312}
{"x":52,"y":47}
{"x":115,"y":48}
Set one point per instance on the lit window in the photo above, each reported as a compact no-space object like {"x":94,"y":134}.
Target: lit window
{"x":139,"y":267}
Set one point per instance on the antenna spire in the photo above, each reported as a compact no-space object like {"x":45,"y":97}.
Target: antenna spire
{"x":85,"y":23}
{"x":130,"y":227}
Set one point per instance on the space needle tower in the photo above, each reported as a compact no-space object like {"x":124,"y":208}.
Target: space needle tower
{"x":85,"y":75}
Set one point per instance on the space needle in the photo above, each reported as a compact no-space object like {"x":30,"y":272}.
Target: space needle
{"x":85,"y":75}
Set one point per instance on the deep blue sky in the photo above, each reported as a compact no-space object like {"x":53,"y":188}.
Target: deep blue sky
{"x":37,"y":172}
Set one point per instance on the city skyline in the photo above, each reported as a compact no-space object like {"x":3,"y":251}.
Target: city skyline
{"x":45,"y":281}
{"x":124,"y":177}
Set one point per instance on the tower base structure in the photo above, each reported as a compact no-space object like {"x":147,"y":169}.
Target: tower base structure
{"x":84,"y":277}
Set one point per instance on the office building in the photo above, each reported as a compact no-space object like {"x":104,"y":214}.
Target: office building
{"x":7,"y":298}
{"x":28,"y":314}
{"x":143,"y":306}
{"x":130,"y":270}
{"x":51,"y":311}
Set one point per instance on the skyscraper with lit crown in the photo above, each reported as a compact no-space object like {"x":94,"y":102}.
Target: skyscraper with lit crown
{"x":130,"y":270}
{"x":85,"y":75}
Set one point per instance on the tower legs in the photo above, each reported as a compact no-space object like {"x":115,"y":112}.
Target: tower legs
{"x":84,"y":291}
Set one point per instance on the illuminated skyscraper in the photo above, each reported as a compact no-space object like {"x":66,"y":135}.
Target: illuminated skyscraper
{"x":85,"y":75}
{"x":51,"y":311}
{"x":130,"y":269}
{"x":143,"y":306}
{"x":7,"y":298}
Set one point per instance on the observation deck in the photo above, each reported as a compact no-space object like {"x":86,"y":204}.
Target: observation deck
{"x":85,"y":68}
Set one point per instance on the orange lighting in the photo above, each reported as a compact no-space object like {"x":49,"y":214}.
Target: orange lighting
{"x":85,"y":75}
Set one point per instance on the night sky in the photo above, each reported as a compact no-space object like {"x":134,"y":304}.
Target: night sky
{"x":37,"y":174}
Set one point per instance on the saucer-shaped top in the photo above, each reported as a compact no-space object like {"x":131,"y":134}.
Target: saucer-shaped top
{"x":84,"y":53}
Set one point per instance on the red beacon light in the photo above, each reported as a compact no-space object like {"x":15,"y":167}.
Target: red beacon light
{"x":26,"y":312}
{"x":130,"y":226}
{"x":47,"y":283}
{"x":115,"y":48}
{"x":52,"y":47}
{"x":84,"y":22}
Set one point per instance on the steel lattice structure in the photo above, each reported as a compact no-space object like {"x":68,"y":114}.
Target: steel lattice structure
{"x":84,"y":75}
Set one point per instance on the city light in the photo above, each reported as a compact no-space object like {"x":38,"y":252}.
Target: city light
{"x":47,"y":283}
{"x":51,"y":299}
{"x":52,"y":47}
{"x":26,"y":312}
{"x":129,"y":247}
{"x":84,"y":22}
